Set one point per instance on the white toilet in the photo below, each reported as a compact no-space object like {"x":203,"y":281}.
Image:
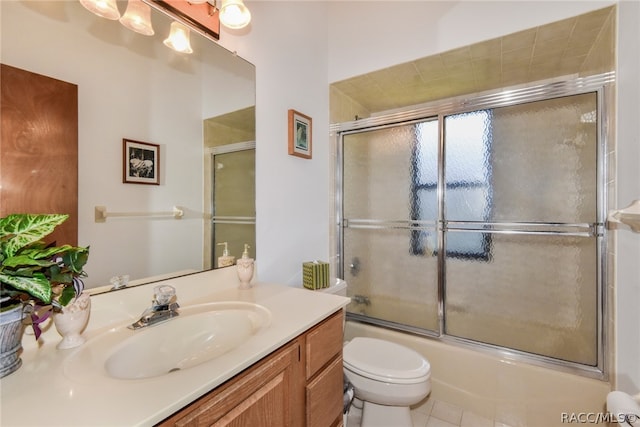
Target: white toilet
{"x":388,"y":378}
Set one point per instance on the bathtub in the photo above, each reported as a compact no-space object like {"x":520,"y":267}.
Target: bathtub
{"x":511,"y":392}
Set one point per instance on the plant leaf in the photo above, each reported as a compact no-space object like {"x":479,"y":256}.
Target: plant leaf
{"x":24,"y":229}
{"x":38,"y":252}
{"x":25,"y":260}
{"x":39,"y":315}
{"x":78,"y":285}
{"x":38,"y":285}
{"x":67,"y":295}
{"x":75,"y":259}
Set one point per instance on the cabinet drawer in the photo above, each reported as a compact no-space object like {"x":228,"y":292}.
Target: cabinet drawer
{"x":324,"y":396}
{"x":323,"y":343}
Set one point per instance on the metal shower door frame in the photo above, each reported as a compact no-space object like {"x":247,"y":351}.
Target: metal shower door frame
{"x":218,"y":219}
{"x":602,"y":85}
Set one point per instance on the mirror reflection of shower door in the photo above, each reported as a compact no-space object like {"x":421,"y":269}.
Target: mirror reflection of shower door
{"x":233,"y":198}
{"x":389,"y":229}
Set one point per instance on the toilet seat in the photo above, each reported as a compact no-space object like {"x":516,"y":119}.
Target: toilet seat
{"x":385,"y":361}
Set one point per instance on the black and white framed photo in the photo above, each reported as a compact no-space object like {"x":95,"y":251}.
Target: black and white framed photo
{"x":140,"y":162}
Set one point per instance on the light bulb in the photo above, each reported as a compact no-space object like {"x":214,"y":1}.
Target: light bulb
{"x":234,"y":14}
{"x":178,"y":39}
{"x":138,"y":18}
{"x":103,"y":8}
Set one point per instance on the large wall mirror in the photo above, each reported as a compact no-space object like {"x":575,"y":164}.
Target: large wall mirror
{"x":198,"y":108}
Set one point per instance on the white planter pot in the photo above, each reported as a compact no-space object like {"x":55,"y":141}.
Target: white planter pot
{"x":72,"y":320}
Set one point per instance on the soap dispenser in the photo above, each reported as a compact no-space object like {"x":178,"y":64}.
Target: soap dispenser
{"x":245,"y":268}
{"x":225,"y":260}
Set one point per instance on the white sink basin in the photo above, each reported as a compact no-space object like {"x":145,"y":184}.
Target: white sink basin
{"x":199,"y":334}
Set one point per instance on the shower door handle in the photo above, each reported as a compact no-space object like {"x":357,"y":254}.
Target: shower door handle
{"x":354,"y":267}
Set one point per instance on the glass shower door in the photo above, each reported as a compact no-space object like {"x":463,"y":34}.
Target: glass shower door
{"x":481,"y":221}
{"x":521,"y":239}
{"x":389,"y":223}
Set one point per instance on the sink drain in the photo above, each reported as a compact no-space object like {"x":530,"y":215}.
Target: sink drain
{"x":173,"y":370}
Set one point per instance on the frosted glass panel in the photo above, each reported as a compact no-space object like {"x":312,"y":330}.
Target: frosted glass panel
{"x":234,"y":196}
{"x":234,"y":183}
{"x":386,"y":282}
{"x":381,"y":170}
{"x":390,"y":260}
{"x":535,"y":293}
{"x":533,"y":162}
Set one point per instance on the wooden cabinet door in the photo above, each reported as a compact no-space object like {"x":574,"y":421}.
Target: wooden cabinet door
{"x":39,"y":148}
{"x":323,"y":343}
{"x":323,"y":353}
{"x":324,"y":396}
{"x":264,"y":395}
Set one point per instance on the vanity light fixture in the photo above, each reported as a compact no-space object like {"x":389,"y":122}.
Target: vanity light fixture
{"x":179,"y":38}
{"x":138,"y":18}
{"x":234,"y":14}
{"x":103,"y":8}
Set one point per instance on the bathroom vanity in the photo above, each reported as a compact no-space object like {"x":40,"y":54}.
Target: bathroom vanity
{"x":289,"y":373}
{"x":298,"y":384}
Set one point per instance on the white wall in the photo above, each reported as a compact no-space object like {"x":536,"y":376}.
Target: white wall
{"x":628,"y":188}
{"x":287,"y":44}
{"x":300,"y":47}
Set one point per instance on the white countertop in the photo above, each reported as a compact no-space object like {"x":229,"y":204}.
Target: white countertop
{"x":42,"y":393}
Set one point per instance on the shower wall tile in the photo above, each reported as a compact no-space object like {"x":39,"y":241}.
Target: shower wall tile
{"x":582,"y":45}
{"x":343,"y":108}
{"x":602,"y":54}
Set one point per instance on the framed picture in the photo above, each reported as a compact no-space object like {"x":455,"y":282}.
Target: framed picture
{"x":140,"y":162}
{"x":299,"y":134}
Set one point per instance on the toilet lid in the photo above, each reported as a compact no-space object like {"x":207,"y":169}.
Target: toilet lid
{"x":385,"y":361}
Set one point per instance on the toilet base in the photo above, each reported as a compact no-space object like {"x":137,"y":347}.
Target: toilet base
{"x":374,"y":415}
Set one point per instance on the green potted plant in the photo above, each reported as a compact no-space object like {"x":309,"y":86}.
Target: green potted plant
{"x":37,"y":278}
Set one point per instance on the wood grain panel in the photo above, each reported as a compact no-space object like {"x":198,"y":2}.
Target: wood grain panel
{"x":260,"y":395}
{"x":39,"y":148}
{"x":323,"y":343}
{"x":324,"y":396}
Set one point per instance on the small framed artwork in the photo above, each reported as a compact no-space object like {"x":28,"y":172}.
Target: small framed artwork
{"x":140,"y":162}
{"x":299,"y":134}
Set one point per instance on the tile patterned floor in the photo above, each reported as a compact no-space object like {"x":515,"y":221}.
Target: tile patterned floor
{"x":434,"y":413}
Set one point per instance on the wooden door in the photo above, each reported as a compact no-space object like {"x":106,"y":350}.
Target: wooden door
{"x":39,"y":148}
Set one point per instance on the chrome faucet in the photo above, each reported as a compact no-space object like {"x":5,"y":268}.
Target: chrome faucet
{"x":164,"y":307}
